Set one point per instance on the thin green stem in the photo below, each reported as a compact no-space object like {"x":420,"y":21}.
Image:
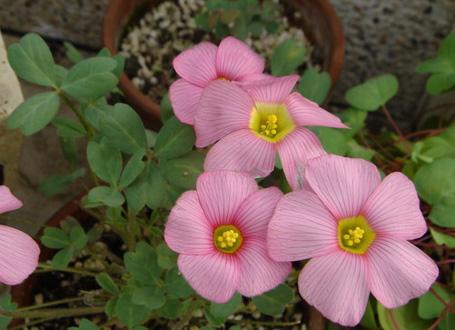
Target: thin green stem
{"x":54,"y":313}
{"x":268,"y":323}
{"x":49,"y":268}
{"x":78,"y":114}
{"x":52,"y":303}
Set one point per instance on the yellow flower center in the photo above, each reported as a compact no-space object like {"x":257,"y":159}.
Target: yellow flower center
{"x":271,"y":122}
{"x":355,"y":235}
{"x":227,"y":238}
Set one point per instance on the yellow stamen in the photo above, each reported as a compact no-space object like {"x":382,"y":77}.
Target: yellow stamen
{"x":227,"y":238}
{"x":271,"y":122}
{"x":355,"y":235}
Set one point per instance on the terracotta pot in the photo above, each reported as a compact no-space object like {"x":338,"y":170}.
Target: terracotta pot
{"x":322,"y":27}
{"x":22,"y":294}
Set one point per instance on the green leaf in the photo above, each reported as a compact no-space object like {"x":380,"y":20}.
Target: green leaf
{"x":183,"y":172}
{"x":440,"y":82}
{"x":429,"y":306}
{"x":176,"y":286}
{"x":333,"y":140}
{"x":273,"y":302}
{"x":149,"y":296}
{"x":435,"y":183}
{"x":62,"y":258}
{"x":124,"y":129}
{"x":314,"y":85}
{"x":354,"y":119}
{"x":224,"y":310}
{"x":128,"y":312}
{"x":166,"y":108}
{"x":213,"y":320}
{"x":6,"y":305}
{"x":54,"y":238}
{"x":78,"y":237}
{"x":287,"y":57}
{"x":110,"y":307}
{"x":368,"y":320}
{"x":443,"y":239}
{"x":174,"y":139}
{"x":167,"y":258}
{"x":107,"y":283}
{"x":447,"y":322}
{"x":72,"y":53}
{"x":85,"y":324}
{"x":406,"y":317}
{"x":104,"y":161}
{"x":357,"y":151}
{"x":103,"y":195}
{"x":35,"y":113}
{"x":435,"y":147}
{"x":132,"y":170}
{"x":142,"y":264}
{"x":68,"y":128}
{"x":373,"y":93}
{"x":32,"y":60}
{"x":174,"y":308}
{"x":57,"y":183}
{"x":90,"y":78}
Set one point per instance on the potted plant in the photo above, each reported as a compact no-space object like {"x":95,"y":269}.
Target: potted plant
{"x":162,"y":244}
{"x":309,"y":29}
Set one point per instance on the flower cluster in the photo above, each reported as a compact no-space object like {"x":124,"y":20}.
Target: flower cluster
{"x":232,"y":236}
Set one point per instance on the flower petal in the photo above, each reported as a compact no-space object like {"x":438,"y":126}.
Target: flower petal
{"x":213,"y":276}
{"x":295,"y":150}
{"x":8,"y":202}
{"x":336,"y":285}
{"x":185,"y":99}
{"x":271,"y":90}
{"x":301,"y":228}
{"x":393,"y":209}
{"x":235,"y":60}
{"x":307,"y":113}
{"x":187,"y":230}
{"x":343,"y":184}
{"x":242,"y":151}
{"x":223,"y":108}
{"x":254,"y":214}
{"x":222,"y":192}
{"x":19,"y":256}
{"x":399,"y":271}
{"x":258,"y":273}
{"x":197,"y":64}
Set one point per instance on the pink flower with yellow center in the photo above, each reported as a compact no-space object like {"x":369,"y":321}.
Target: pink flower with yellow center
{"x":19,"y":252}
{"x":219,"y":231}
{"x":232,"y":60}
{"x":256,"y":120}
{"x":355,"y":228}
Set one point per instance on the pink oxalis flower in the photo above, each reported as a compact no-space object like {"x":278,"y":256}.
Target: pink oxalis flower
{"x":256,"y":120}
{"x":19,"y":252}
{"x":355,"y":228}
{"x":232,"y":60}
{"x":219,"y":231}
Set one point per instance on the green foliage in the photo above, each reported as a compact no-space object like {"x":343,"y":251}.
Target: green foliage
{"x":176,"y":286}
{"x":35,"y":113}
{"x":132,"y":170}
{"x":373,"y":93}
{"x":106,"y":282}
{"x":128,"y":312}
{"x":103,"y":195}
{"x":182,"y":172}
{"x":166,"y":111}
{"x":443,"y":239}
{"x":435,"y":147}
{"x":287,"y":57}
{"x":218,"y":313}
{"x":314,"y":85}
{"x":6,"y":305}
{"x":274,"y":301}
{"x":32,"y":60}
{"x":174,"y":139}
{"x":104,"y":162}
{"x":406,"y":317}
{"x":72,"y":53}
{"x":167,"y":258}
{"x":429,"y":306}
{"x":435,"y":183}
{"x":368,"y":320}
{"x":142,"y":263}
{"x":85,"y":324}
{"x":90,"y":78}
{"x":68,"y":128}
{"x":441,"y":67}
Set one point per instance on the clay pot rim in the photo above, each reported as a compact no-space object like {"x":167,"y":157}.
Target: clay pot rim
{"x":150,"y":110}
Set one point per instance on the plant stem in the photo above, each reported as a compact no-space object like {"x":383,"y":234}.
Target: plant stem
{"x":78,"y":114}
{"x":21,"y":326}
{"x":268,"y":323}
{"x":392,"y":318}
{"x":392,"y":122}
{"x":49,"y":268}
{"x":54,"y":313}
{"x":52,"y":303}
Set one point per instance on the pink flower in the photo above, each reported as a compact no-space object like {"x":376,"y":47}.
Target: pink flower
{"x":219,"y":231}
{"x":355,"y":228}
{"x":19,"y":252}
{"x":256,"y":121}
{"x":233,"y":60}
